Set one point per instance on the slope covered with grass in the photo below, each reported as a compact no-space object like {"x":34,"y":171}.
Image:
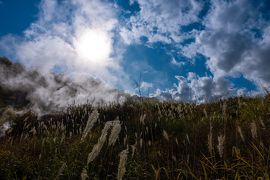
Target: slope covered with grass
{"x":141,"y":140}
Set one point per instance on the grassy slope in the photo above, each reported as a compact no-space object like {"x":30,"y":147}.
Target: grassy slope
{"x":185,"y":153}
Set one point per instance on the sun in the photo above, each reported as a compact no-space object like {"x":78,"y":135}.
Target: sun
{"x":93,"y":46}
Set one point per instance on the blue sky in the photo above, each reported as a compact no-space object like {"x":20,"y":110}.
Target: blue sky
{"x":188,"y":50}
{"x":17,"y":15}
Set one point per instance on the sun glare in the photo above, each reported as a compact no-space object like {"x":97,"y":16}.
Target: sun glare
{"x":94,"y":46}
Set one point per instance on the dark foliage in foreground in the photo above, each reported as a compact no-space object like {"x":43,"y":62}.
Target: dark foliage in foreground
{"x":166,"y":140}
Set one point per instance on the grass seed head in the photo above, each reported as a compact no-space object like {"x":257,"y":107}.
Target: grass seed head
{"x":253,"y":129}
{"x":84,"y":175}
{"x":166,"y":136}
{"x":116,"y":129}
{"x":220,"y":146}
{"x":90,"y":123}
{"x":240,"y":133}
{"x":122,"y":164}
{"x":210,"y":139}
{"x":97,"y":147}
{"x":142,"y":118}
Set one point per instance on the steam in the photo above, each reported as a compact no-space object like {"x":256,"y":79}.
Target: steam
{"x":54,"y":92}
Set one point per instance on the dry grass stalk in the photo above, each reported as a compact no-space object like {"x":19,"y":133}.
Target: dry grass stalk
{"x":166,"y":136}
{"x":174,"y":158}
{"x":133,"y":148}
{"x":262,"y":123}
{"x":187,"y":137}
{"x":116,"y":129}
{"x":125,"y":139}
{"x":253,"y":129}
{"x":240,"y":133}
{"x":220,"y":146}
{"x":61,"y":170}
{"x":90,"y":123}
{"x":97,"y":147}
{"x":210,"y":139}
{"x":156,"y":172}
{"x":142,"y":118}
{"x":84,"y":175}
{"x":141,"y":142}
{"x":122,"y":164}
{"x":33,"y":131}
{"x":205,"y":113}
{"x":224,"y":108}
{"x":176,"y":141}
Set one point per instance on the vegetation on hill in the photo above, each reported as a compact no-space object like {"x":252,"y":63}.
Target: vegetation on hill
{"x":155,"y":140}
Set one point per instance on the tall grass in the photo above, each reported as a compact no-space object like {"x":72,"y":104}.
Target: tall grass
{"x":146,"y":139}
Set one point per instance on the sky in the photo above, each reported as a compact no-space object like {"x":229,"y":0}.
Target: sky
{"x":186,"y":50}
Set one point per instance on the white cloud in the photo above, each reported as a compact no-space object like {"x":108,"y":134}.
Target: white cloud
{"x":176,"y":63}
{"x":145,"y":85}
{"x":49,"y":44}
{"x":232,"y":43}
{"x":197,"y":89}
{"x":161,"y":21}
{"x":229,"y":41}
{"x":52,"y":40}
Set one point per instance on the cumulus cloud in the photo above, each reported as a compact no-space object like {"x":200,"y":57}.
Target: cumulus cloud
{"x":160,"y":21}
{"x":232,"y":40}
{"x":176,"y":63}
{"x":235,"y":41}
{"x":198,"y":89}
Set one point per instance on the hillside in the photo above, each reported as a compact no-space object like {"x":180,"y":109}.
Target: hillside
{"x":138,"y":139}
{"x":47,"y":92}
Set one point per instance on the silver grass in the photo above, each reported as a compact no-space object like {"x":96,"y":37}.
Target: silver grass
{"x":165,"y":135}
{"x":187,"y":137}
{"x":174,"y":158}
{"x":176,"y":141}
{"x":224,"y":108}
{"x":205,"y":113}
{"x":262,"y":123}
{"x":220,"y":146}
{"x":33,"y":131}
{"x":210,"y":139}
{"x":125,"y":139}
{"x":116,"y":129}
{"x":133,"y":148}
{"x":253,"y":129}
{"x":141,"y":142}
{"x":61,"y":170}
{"x":240,"y":133}
{"x":97,"y":147}
{"x":122,"y":164}
{"x":90,"y":123}
{"x":142,"y":118}
{"x":84,"y":175}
